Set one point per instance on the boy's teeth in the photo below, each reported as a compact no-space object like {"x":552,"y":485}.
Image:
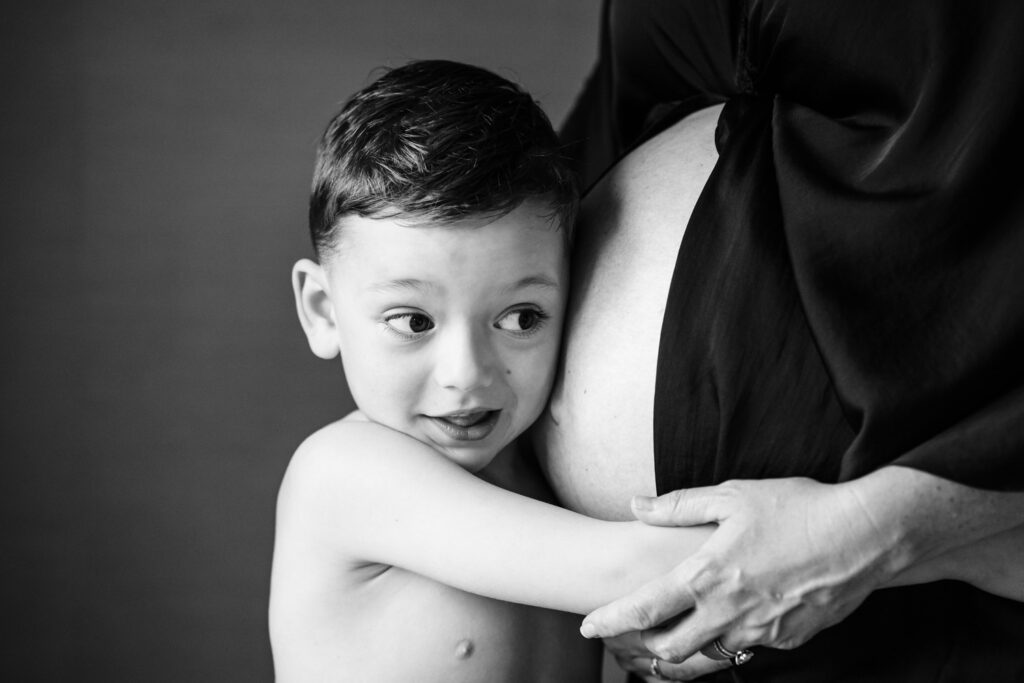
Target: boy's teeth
{"x":467,"y":420}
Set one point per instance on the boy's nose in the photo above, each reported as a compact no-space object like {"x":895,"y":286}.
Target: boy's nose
{"x":465,"y":361}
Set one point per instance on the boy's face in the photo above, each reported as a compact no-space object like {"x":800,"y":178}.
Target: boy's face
{"x":450,"y":332}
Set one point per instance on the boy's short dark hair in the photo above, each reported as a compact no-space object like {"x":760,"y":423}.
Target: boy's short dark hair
{"x":437,"y":140}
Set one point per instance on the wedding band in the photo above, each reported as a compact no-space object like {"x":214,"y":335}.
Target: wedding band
{"x":721,"y":653}
{"x":717,"y":651}
{"x":656,"y":670}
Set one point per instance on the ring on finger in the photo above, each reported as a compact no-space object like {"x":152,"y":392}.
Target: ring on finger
{"x":720,"y":652}
{"x":656,"y":670}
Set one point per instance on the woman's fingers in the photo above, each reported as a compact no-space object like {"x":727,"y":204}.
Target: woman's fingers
{"x":692,"y":669}
{"x":626,"y":647}
{"x":680,"y":641}
{"x":652,"y":604}
{"x":684,"y":507}
{"x":789,"y":557}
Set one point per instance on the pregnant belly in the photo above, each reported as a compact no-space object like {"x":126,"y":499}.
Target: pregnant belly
{"x":595,"y":440}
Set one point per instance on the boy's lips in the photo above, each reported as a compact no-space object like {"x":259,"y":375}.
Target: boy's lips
{"x":467,"y":425}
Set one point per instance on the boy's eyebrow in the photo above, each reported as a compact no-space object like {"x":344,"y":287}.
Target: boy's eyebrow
{"x":532,"y":281}
{"x":401,"y":283}
{"x":413,"y":283}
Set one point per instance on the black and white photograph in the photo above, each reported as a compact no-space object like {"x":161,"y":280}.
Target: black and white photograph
{"x":559,"y":341}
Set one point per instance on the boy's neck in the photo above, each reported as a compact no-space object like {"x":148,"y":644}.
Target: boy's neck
{"x":516,"y":469}
{"x":506,"y":469}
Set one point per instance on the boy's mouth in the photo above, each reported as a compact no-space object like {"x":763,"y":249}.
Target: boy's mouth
{"x":467,"y":426}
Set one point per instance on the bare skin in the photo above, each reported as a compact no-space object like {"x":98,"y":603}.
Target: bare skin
{"x":414,"y":580}
{"x":406,"y":530}
{"x":336,"y":617}
{"x":595,"y":439}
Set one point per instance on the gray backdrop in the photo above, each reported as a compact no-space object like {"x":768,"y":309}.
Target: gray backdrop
{"x":155,"y":161}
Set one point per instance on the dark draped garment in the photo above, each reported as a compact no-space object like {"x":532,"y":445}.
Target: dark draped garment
{"x":849,"y":292}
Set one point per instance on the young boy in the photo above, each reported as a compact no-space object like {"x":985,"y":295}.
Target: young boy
{"x":441,"y":214}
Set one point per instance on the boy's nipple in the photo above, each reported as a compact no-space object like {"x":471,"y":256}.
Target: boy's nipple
{"x":464,"y":649}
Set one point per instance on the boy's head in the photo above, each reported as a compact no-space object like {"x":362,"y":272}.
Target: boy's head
{"x":440,"y":141}
{"x":440,"y":212}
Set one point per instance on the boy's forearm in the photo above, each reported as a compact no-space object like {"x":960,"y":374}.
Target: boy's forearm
{"x":642,"y":553}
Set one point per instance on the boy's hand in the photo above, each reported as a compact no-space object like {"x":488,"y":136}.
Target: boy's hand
{"x":789,"y":558}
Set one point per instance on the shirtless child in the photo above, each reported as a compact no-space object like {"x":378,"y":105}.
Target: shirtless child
{"x":409,"y":530}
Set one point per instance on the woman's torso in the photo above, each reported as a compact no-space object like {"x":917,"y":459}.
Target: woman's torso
{"x":742,"y":386}
{"x":595,"y":441}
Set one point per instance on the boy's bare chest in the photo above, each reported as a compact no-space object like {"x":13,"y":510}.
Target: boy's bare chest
{"x":401,"y":626}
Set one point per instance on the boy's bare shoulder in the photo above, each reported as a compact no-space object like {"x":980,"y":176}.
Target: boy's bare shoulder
{"x":346,"y":456}
{"x":349,"y":435}
{"x":335,"y":481}
{"x":351,"y":439}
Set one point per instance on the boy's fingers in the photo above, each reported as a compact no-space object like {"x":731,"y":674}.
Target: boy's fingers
{"x":684,"y":507}
{"x":645,"y":608}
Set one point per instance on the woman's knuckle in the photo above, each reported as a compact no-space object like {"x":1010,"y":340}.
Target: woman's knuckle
{"x":705,"y":576}
{"x":790,"y":643}
{"x":759,"y":635}
{"x":639,"y":616}
{"x":668,"y":651}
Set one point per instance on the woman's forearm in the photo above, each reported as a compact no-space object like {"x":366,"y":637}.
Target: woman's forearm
{"x":994,"y":564}
{"x":939,"y":529}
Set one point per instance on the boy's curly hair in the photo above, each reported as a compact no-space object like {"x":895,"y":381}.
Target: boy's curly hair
{"x":437,"y":140}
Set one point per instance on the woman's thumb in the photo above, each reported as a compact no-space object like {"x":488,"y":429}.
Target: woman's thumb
{"x":683,"y":507}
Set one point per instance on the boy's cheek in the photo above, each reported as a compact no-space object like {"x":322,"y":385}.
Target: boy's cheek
{"x":537,"y":375}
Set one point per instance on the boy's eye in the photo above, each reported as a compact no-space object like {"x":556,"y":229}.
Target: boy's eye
{"x":409,"y":323}
{"x":520,"y":320}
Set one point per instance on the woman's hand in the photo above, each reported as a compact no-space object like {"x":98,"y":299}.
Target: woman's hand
{"x":789,"y":558}
{"x":634,"y":657}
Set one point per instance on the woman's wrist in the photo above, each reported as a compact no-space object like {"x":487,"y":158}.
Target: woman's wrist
{"x":902,"y":507}
{"x":931,"y":528}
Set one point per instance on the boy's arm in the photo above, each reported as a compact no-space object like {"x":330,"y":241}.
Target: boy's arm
{"x":360,"y":493}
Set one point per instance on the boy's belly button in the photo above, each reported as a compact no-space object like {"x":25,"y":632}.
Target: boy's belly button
{"x":464,"y":649}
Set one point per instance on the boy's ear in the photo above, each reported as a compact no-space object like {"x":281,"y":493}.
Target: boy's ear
{"x":313,"y":304}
